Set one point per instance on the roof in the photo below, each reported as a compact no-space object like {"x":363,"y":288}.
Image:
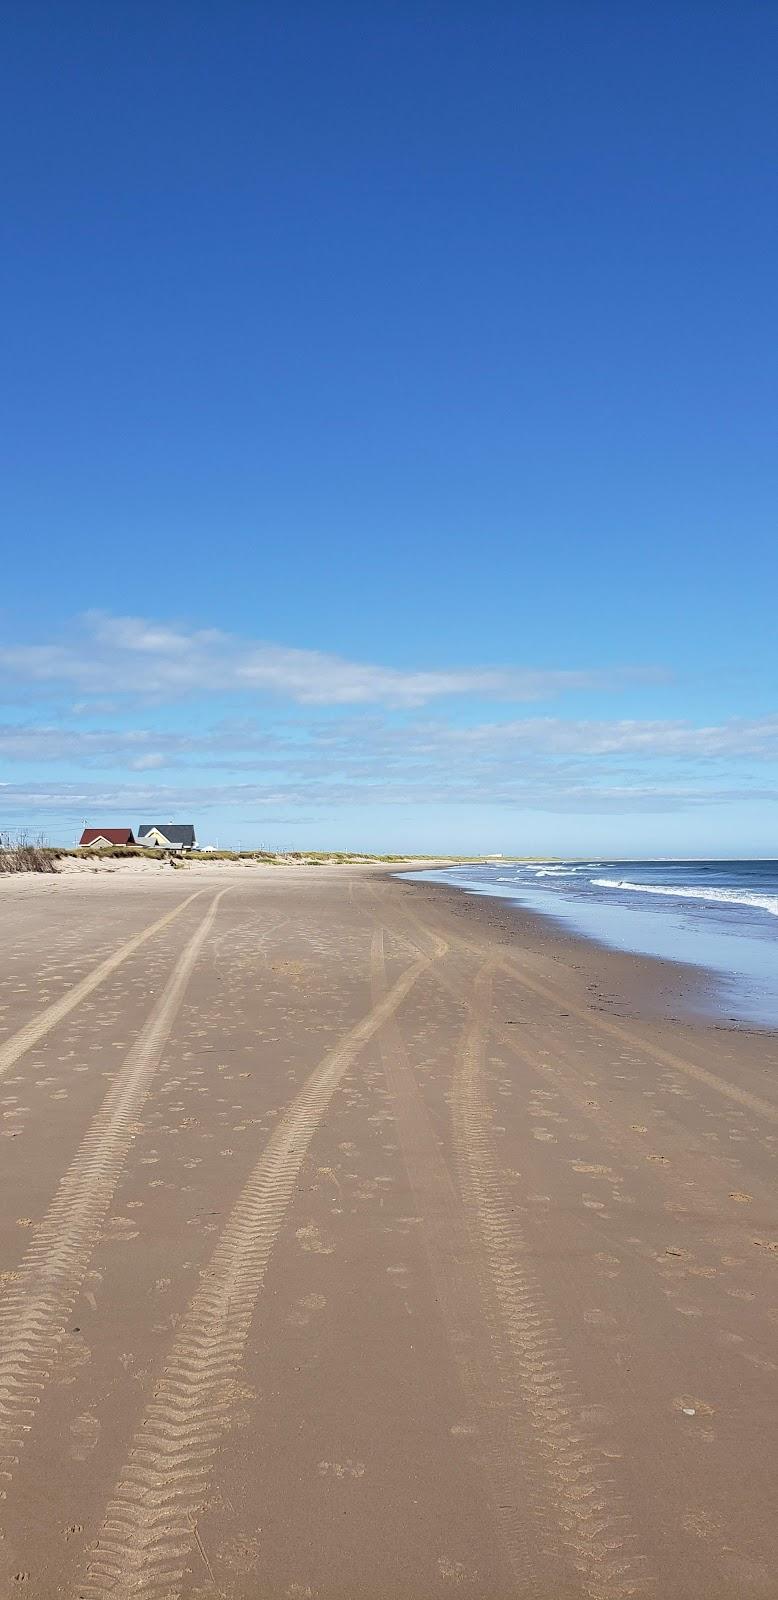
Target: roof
{"x":112,"y":835}
{"x":174,"y":832}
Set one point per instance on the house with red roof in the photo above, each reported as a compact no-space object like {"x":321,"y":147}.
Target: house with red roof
{"x":98,"y":838}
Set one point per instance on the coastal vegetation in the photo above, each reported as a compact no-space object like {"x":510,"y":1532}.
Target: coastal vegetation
{"x":25,"y":855}
{"x":22,"y":854}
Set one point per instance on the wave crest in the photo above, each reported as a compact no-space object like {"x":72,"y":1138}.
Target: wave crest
{"x":737,"y":897}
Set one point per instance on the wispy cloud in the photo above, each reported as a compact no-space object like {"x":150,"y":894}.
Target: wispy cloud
{"x":135,"y":657}
{"x":535,"y":792}
{"x":352,"y":734}
{"x":408,"y":751}
{"x":542,"y":764}
{"x":740,"y":736}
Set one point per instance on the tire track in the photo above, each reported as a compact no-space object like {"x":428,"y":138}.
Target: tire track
{"x":565,"y":1078}
{"x":19,"y":1043}
{"x":483,"y":1379}
{"x":570,"y":1486}
{"x":36,"y":1305}
{"x":657,"y":1053}
{"x":707,"y":1202}
{"x":611,"y":1029}
{"x":546,"y":1049}
{"x":149,"y":1529}
{"x":563,"y":1073}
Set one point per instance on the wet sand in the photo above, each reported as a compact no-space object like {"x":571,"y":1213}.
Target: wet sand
{"x":362,"y":1238}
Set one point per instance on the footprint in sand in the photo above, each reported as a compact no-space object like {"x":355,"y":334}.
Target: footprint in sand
{"x":73,"y":1355}
{"x":699,"y":1522}
{"x":118,"y":1230}
{"x":301,"y":1312}
{"x":309,"y":1238}
{"x":341,"y":1469}
{"x":85,"y":1432}
{"x":241,"y":1554}
{"x":599,"y":1319}
{"x":452,"y":1571}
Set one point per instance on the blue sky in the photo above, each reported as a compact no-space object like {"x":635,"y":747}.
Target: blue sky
{"x":388,"y":424}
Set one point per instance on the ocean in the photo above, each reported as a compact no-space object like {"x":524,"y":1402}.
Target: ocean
{"x":718,"y":915}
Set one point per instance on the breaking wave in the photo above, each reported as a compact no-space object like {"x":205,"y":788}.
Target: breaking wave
{"x":736,"y":897}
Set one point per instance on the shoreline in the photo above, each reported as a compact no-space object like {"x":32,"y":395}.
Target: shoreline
{"x":654,"y":988}
{"x":626,"y":983}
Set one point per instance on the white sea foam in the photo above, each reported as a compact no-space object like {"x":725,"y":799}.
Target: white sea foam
{"x":735,"y":897}
{"x":551,"y":872}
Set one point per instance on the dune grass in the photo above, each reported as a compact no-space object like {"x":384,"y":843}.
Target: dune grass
{"x":25,"y":855}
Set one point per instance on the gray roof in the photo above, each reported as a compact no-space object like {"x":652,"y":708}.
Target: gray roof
{"x":174,"y":832}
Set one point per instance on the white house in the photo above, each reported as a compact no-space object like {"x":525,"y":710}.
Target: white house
{"x":168,"y":836}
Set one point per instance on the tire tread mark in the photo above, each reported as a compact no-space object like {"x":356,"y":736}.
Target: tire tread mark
{"x":665,"y":1058}
{"x":34,"y":1308}
{"x":564,"y":1075}
{"x":476,"y":1355}
{"x":19,"y":1043}
{"x":593,"y":1528}
{"x":147,"y":1535}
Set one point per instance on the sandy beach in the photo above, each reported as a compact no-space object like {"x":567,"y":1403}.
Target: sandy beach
{"x":359,"y":1238}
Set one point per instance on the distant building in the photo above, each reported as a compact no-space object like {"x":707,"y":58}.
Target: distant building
{"x":168,"y":836}
{"x":97,"y":838}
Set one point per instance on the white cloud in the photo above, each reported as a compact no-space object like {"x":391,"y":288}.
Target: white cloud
{"x":546,"y":766}
{"x":739,"y":736}
{"x":362,"y":757}
{"x":132,"y":656}
{"x":149,"y":763}
{"x":365,"y":748}
{"x":23,"y":804}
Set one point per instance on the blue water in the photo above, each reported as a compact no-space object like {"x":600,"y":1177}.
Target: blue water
{"x":719,"y":915}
